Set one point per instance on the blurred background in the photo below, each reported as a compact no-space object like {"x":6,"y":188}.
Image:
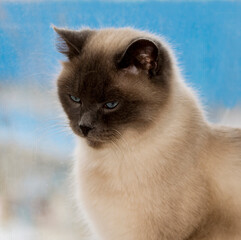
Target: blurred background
{"x":35,"y":145}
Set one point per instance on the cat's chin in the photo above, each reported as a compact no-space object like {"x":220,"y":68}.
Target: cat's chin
{"x":99,"y":140}
{"x":95,"y":143}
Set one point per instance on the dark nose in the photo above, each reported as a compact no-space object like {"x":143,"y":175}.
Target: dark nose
{"x":85,"y":129}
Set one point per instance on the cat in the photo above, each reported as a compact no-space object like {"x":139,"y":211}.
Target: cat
{"x":148,"y":165}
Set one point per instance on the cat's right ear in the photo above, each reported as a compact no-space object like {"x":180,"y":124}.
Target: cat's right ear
{"x":140,"y":55}
{"x":71,"y":42}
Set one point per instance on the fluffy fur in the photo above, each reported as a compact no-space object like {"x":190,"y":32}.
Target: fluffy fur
{"x":166,"y":174}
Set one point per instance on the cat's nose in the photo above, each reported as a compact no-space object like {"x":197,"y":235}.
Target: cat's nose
{"x":85,"y":129}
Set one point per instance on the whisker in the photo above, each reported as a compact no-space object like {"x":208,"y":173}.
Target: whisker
{"x":123,"y":140}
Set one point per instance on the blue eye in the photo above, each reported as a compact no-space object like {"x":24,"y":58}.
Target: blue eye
{"x":111,"y":105}
{"x":75,"y":99}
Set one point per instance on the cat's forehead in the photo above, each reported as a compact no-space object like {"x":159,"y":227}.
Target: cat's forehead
{"x":95,"y":75}
{"x":98,"y":85}
{"x":94,"y":72}
{"x":101,"y":49}
{"x":96,"y":81}
{"x":87,"y":79}
{"x":111,"y":40}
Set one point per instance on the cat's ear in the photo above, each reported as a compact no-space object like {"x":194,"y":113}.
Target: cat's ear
{"x":140,"y":55}
{"x":71,"y":42}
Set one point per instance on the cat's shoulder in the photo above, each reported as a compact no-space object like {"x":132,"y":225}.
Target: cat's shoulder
{"x":227,"y":135}
{"x":224,"y":151}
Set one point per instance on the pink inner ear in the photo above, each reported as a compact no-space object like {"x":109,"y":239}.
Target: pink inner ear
{"x":141,"y":55}
{"x":145,"y":60}
{"x":132,"y":69}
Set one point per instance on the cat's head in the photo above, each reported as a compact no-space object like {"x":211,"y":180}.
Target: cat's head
{"x":113,"y":80}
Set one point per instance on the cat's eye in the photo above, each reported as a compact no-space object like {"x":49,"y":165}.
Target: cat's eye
{"x":75,"y":99}
{"x":111,"y":105}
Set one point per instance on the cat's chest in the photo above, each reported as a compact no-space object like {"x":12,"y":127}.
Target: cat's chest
{"x":116,"y":177}
{"x":130,"y":181}
{"x":121,"y":186}
{"x":137,"y":192}
{"x":114,"y":204}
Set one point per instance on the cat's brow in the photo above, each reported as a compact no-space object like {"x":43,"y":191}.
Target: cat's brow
{"x":114,"y":93}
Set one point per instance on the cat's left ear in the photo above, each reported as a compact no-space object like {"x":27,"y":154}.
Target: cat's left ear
{"x":140,"y":55}
{"x":71,"y":42}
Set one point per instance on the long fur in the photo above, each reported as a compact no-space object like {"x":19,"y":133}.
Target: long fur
{"x":178,"y":180}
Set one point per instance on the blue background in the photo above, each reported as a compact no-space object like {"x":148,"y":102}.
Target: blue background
{"x":206,"y":36}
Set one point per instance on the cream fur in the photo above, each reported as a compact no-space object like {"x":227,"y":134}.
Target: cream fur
{"x":179,"y":180}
